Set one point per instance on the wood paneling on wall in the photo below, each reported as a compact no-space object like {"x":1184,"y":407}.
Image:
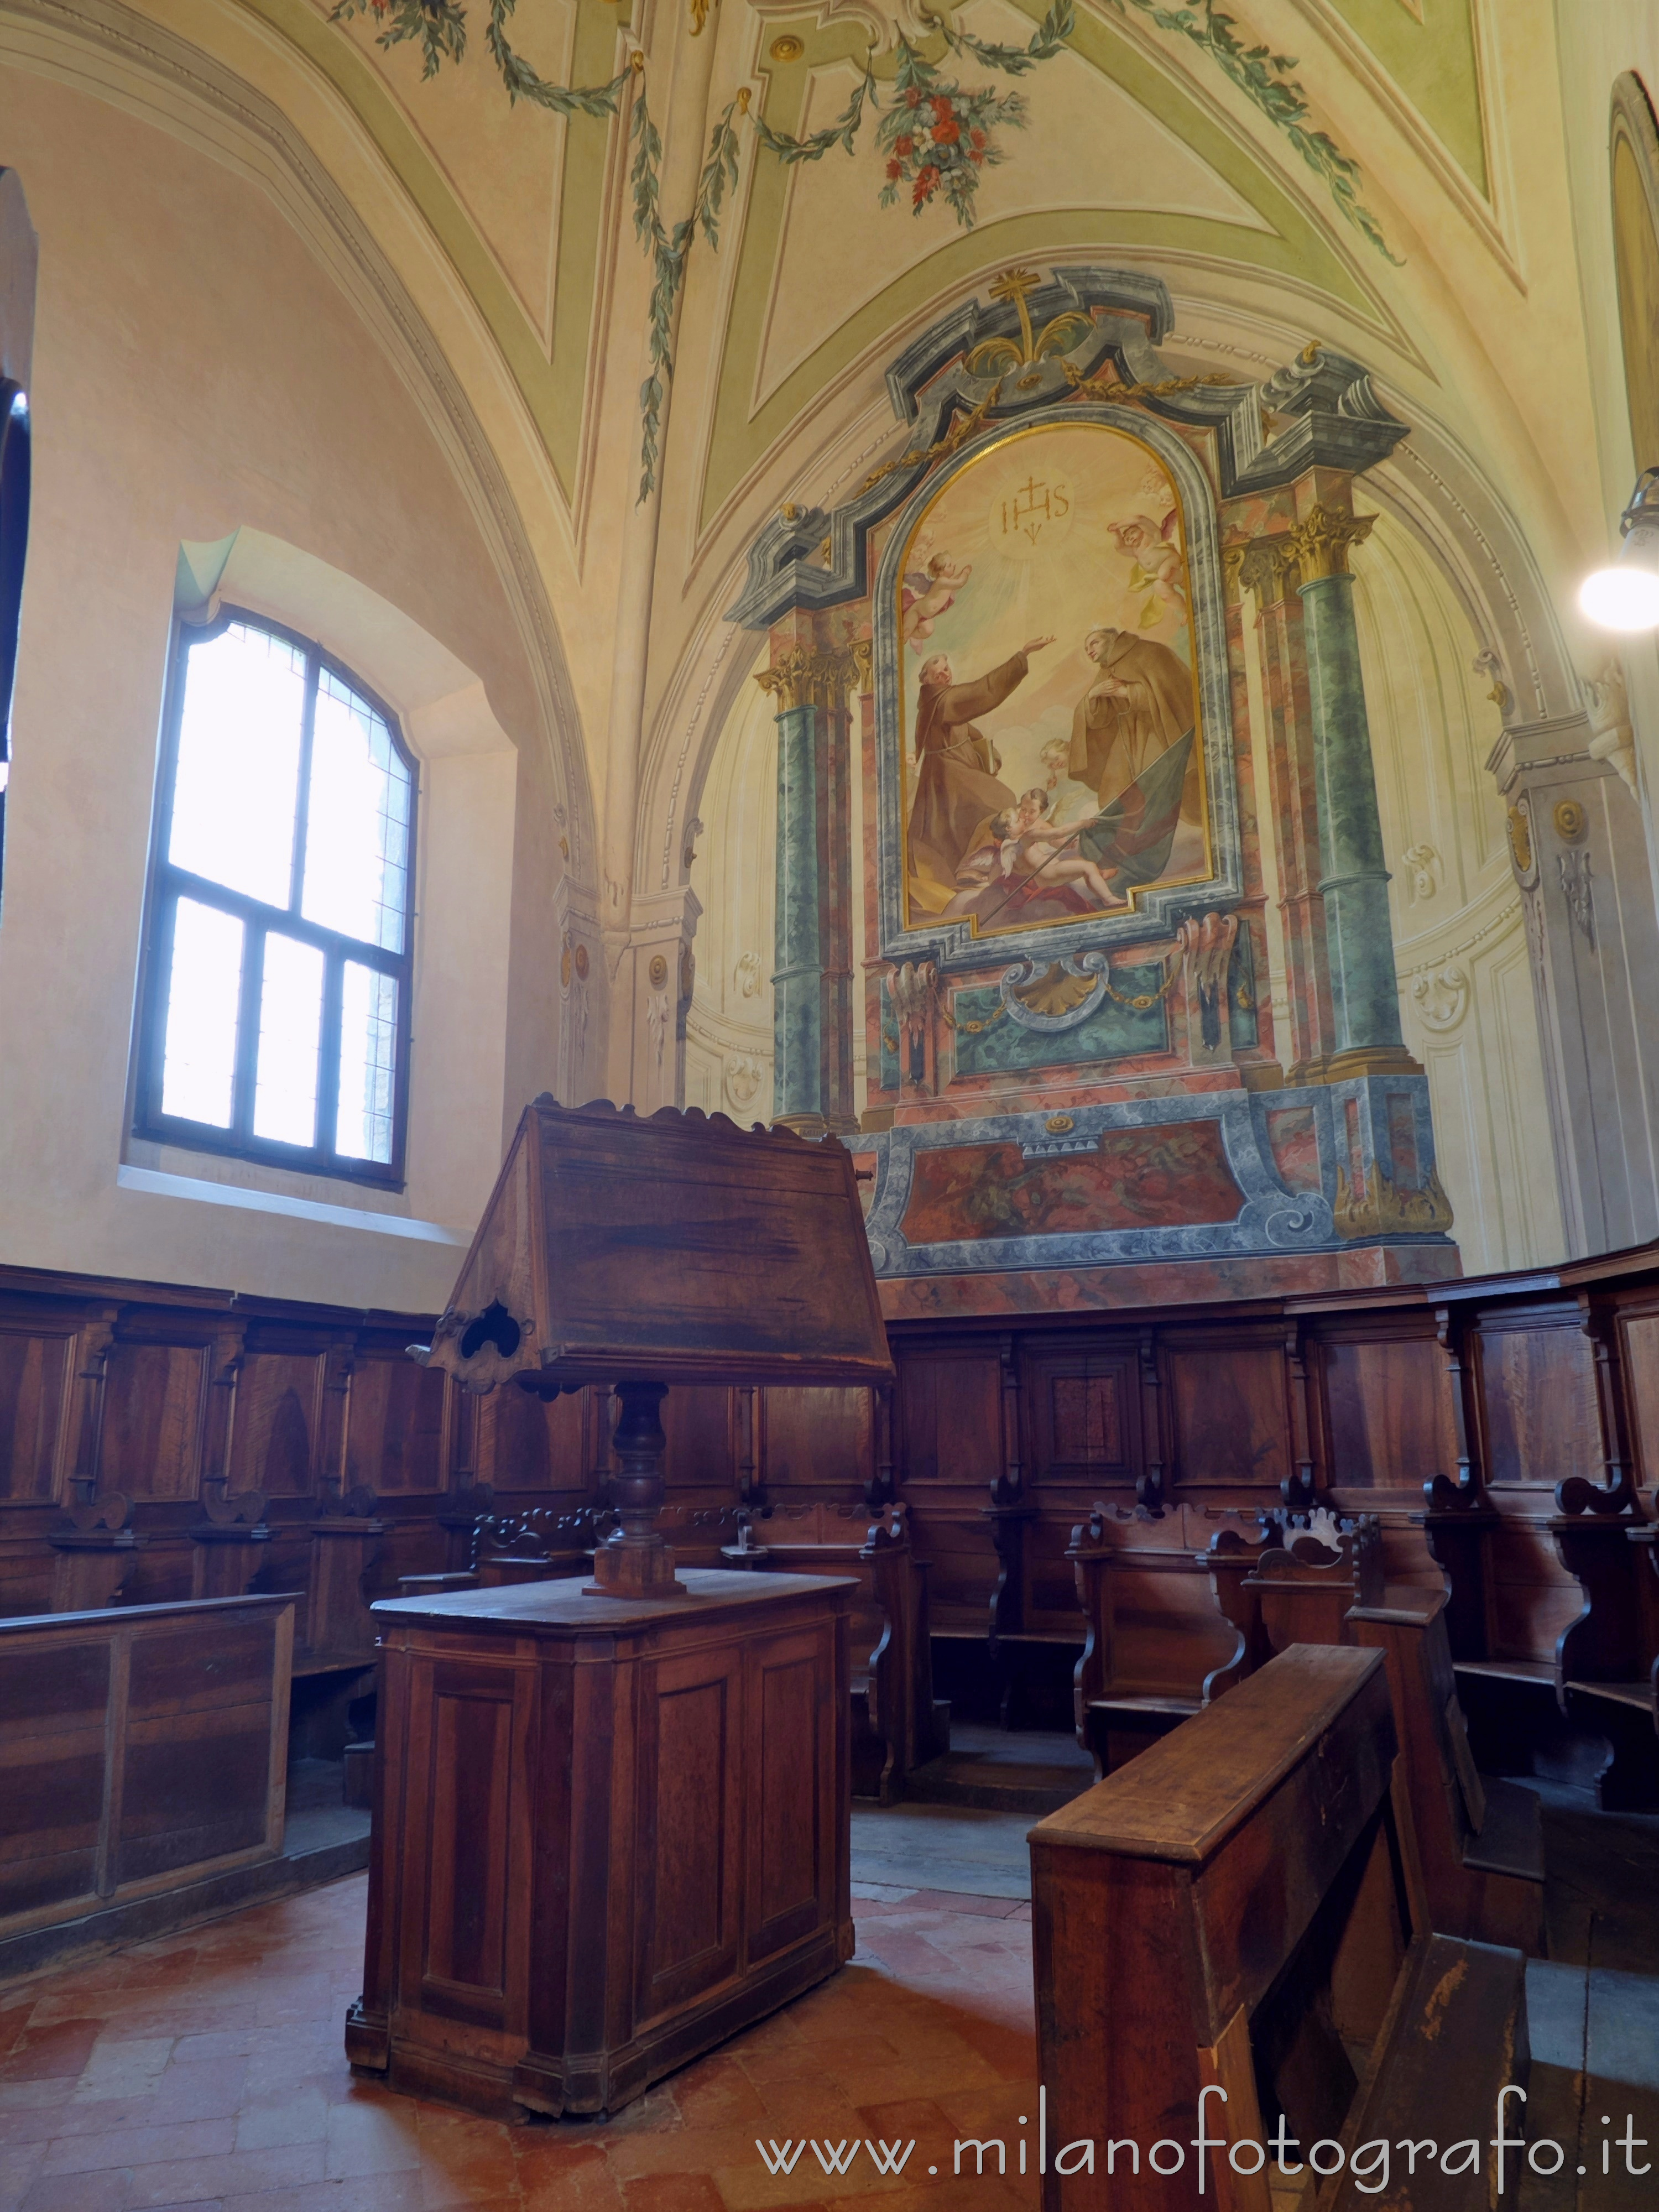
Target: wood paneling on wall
{"x":145,"y":1430}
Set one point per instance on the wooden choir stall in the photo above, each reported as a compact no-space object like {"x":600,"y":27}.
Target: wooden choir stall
{"x":610,"y":1818}
{"x":1233,"y":1941}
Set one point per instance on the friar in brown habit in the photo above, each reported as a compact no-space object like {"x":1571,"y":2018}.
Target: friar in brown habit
{"x":1138,"y":705}
{"x":958,"y":783}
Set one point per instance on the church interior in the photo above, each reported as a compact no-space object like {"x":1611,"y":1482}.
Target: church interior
{"x":829,"y":1105}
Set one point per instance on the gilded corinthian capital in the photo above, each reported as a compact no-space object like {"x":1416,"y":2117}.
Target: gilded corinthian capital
{"x":804,"y":678}
{"x":1267,"y":569}
{"x":1321,"y":543}
{"x":789,"y":679}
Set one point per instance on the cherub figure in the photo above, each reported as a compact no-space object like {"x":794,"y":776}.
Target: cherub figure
{"x":929,"y":590}
{"x":1029,"y":845}
{"x":1153,"y":551}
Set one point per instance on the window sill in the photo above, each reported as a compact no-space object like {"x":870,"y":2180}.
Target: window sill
{"x":159,"y":1184}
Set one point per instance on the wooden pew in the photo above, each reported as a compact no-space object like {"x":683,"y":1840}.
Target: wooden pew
{"x":1479,"y":1838}
{"x":537,"y":1545}
{"x":964,"y":1581}
{"x":140,"y":1750}
{"x":897,"y":1724}
{"x":1158,"y":1644}
{"x":1230,"y":1560}
{"x":1605,"y":1660}
{"x":1238,"y":1914}
{"x":1038,"y":1631}
{"x":702,"y":1535}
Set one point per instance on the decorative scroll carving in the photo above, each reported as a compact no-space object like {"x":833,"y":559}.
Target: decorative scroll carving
{"x":1440,"y":997}
{"x":1574,"y":870}
{"x":1486,"y":663}
{"x":1371,"y":1207}
{"x":1615,"y":1493}
{"x":1612,"y":737}
{"x":743,"y":1075}
{"x":1422,"y":866}
{"x":1206,"y":951}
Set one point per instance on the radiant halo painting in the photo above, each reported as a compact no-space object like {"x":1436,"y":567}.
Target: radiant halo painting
{"x":1051,"y":734}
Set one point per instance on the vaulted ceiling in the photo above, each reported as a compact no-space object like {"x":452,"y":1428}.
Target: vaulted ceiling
{"x":1390,"y":176}
{"x":1138,"y":143}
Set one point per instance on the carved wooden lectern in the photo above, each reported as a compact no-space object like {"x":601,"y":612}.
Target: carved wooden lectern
{"x":612,"y":1815}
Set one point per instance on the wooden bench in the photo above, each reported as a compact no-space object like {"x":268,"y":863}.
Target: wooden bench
{"x":1233,"y":1929}
{"x":1479,"y":1838}
{"x":1037,"y":1630}
{"x":897,"y":1724}
{"x":964,"y":1578}
{"x":1158,"y":1644}
{"x":140,"y":1750}
{"x":1606,"y":1660}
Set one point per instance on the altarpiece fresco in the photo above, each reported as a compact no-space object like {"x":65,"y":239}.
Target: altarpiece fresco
{"x":1049,"y":698}
{"x":1026,"y":636}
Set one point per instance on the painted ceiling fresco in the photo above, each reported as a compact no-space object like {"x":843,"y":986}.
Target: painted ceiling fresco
{"x":1145,"y":130}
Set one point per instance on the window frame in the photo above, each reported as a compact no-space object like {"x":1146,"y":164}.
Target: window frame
{"x":16,"y":447}
{"x":168,"y":882}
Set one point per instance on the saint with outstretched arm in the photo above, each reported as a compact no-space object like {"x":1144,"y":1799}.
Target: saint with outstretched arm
{"x":958,"y":785}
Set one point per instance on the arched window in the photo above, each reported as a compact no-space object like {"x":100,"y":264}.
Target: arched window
{"x":275,"y":1015}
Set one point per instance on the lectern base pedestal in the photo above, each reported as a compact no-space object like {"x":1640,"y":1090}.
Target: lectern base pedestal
{"x":609,"y":1832}
{"x":634,"y":1570}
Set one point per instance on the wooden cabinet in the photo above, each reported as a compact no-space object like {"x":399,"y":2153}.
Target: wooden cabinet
{"x":608,"y":1833}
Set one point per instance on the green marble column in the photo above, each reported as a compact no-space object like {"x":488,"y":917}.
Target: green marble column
{"x":1354,"y":879}
{"x":798,"y":975}
{"x":808,"y":687}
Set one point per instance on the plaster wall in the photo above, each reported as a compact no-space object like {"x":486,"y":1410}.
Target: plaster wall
{"x":728,"y":1030}
{"x":1465,"y":1005}
{"x":197,"y":373}
{"x":1608,"y":39}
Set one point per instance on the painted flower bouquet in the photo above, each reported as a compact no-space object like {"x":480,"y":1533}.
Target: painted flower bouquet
{"x":937,"y":136}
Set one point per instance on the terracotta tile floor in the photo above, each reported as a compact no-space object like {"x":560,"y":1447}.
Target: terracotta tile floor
{"x":206,"y":2070}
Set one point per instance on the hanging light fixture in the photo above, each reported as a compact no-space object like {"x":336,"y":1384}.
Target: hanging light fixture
{"x":1626,"y":595}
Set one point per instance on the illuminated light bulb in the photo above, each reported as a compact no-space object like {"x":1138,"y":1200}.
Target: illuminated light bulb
{"x":1622,"y":598}
{"x":1625,"y":595}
